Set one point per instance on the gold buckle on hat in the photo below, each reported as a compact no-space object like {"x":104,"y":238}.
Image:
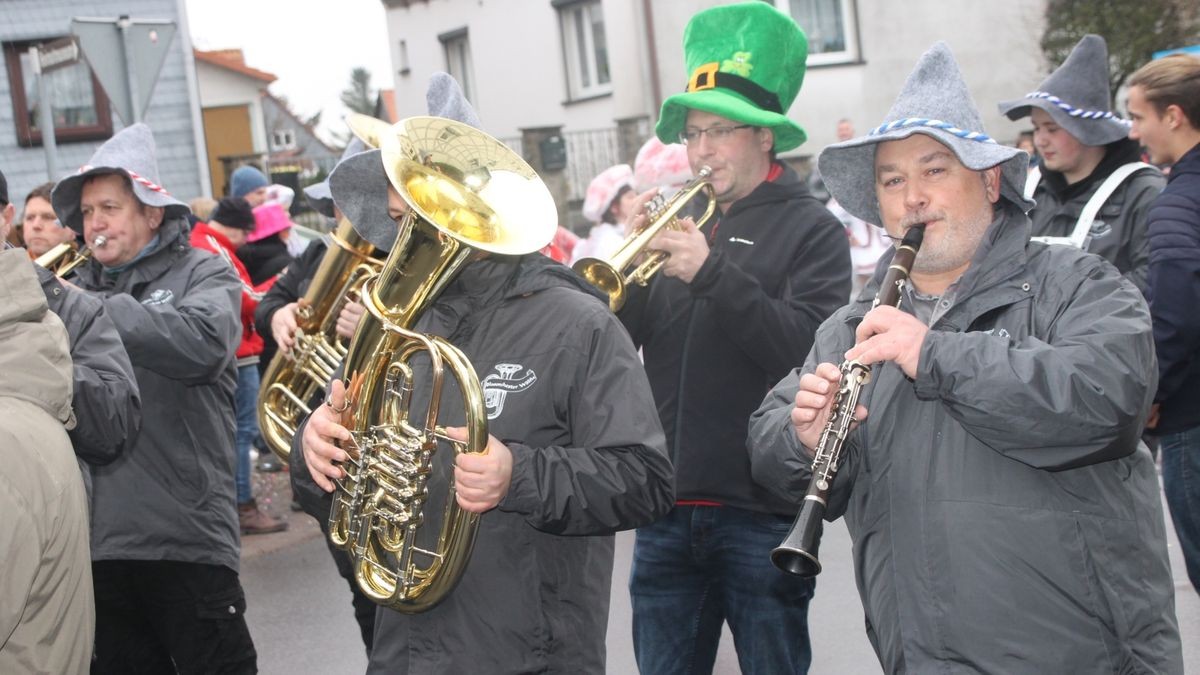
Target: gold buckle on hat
{"x":704,"y":77}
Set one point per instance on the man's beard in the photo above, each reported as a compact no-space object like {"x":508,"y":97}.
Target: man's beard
{"x":954,"y":245}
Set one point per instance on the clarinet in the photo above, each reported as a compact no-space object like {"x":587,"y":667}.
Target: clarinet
{"x":797,"y":554}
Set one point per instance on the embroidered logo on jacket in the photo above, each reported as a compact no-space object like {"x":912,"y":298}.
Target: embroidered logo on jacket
{"x":505,"y":381}
{"x":739,"y":240}
{"x":159,"y":297}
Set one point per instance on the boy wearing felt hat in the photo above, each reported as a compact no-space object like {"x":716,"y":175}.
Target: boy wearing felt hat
{"x":735,"y":307}
{"x":1092,"y":189}
{"x":165,"y":544}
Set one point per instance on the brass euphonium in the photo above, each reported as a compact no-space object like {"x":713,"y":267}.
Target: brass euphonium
{"x":611,"y":276}
{"x":64,"y":258}
{"x":292,"y":380}
{"x":466,"y":193}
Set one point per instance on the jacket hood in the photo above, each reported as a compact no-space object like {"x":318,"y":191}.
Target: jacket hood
{"x":35,"y":360}
{"x":493,"y":280}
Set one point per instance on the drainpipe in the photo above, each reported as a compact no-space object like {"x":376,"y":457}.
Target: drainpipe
{"x":652,"y":50}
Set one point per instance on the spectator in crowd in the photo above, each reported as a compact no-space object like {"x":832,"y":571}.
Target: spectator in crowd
{"x":202,"y":208}
{"x":265,"y":253}
{"x":1164,"y":104}
{"x":226,"y":229}
{"x":867,"y":243}
{"x":250,"y":184}
{"x":609,"y":205}
{"x":661,"y":165}
{"x":39,"y":225}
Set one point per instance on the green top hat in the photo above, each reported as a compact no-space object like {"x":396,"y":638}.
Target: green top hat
{"x":746,"y":62}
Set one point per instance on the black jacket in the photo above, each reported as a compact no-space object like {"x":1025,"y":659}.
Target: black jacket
{"x":1175,"y":294}
{"x":264,"y":258}
{"x":564,"y":390}
{"x":779,"y":265}
{"x":288,"y":288}
{"x":1118,"y":233}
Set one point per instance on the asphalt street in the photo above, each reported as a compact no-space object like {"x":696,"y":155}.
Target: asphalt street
{"x":301,"y":620}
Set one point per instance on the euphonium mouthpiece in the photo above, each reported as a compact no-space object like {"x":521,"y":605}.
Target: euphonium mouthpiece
{"x":99,"y":241}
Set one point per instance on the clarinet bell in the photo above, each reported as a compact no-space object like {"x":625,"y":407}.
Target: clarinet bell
{"x":797,"y":554}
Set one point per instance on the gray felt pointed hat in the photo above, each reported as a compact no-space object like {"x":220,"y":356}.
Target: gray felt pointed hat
{"x":318,"y":194}
{"x":130,"y":151}
{"x":1076,"y":96}
{"x":935,"y":102}
{"x":359,"y":183}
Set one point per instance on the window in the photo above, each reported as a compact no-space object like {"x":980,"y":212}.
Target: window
{"x":458,"y":60}
{"x":283,"y":139}
{"x":585,"y":49}
{"x":831,"y":27}
{"x":78,"y":104}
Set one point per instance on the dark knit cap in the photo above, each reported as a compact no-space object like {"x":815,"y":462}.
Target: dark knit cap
{"x":233,"y":212}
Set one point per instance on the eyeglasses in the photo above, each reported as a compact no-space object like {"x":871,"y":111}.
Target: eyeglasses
{"x":715,"y":134}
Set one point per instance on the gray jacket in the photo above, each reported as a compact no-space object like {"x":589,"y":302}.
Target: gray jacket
{"x":1118,"y":233}
{"x":171,"y":497}
{"x":1004,"y":518}
{"x":107,"y":406}
{"x":47,"y":612}
{"x":565,"y":391}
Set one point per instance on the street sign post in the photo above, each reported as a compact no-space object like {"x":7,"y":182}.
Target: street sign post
{"x":43,"y":59}
{"x":126,"y":55}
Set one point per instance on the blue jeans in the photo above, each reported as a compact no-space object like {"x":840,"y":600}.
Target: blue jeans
{"x":1181,"y":482}
{"x":245,"y":402}
{"x":701,"y":566}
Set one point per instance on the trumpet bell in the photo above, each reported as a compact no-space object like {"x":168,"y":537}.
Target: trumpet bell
{"x":605,"y":278}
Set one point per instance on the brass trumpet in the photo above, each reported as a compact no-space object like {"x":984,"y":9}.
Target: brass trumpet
{"x":64,"y":258}
{"x":611,"y":276}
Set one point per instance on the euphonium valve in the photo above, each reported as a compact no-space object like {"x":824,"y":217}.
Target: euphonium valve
{"x":797,"y":554}
{"x":613,"y":275}
{"x":466,"y":193}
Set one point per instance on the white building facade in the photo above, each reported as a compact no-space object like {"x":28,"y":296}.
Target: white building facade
{"x":585,"y":65}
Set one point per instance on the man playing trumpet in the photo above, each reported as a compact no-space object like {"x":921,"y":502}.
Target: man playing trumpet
{"x":735,"y":307}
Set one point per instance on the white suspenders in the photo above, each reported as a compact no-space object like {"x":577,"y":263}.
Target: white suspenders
{"x":1079,"y":237}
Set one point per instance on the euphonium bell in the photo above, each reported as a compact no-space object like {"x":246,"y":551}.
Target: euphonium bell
{"x":293,"y":380}
{"x":611,"y":276}
{"x":466,"y":193}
